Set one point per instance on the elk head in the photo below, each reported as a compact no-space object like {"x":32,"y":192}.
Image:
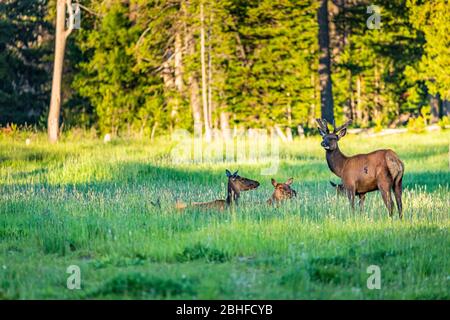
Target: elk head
{"x":330,"y":139}
{"x":282,"y":191}
{"x":239,"y":183}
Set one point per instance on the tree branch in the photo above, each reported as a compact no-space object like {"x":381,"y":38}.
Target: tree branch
{"x":89,"y":10}
{"x":71,"y":19}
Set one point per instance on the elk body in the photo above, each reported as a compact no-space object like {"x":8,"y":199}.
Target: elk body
{"x":379,"y":170}
{"x":236,"y":184}
{"x":283,"y":191}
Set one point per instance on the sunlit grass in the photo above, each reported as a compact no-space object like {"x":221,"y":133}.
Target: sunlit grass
{"x":88,"y":203}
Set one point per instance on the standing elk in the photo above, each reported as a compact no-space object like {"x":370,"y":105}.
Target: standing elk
{"x":379,"y":170}
{"x":236,"y":184}
{"x":283,"y":191}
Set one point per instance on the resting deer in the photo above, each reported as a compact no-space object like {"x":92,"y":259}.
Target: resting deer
{"x":283,"y":191}
{"x":379,"y":170}
{"x":236,"y":184}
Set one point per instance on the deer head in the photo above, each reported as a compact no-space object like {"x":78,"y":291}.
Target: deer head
{"x":282,"y":191}
{"x":239,"y":183}
{"x":330,"y":139}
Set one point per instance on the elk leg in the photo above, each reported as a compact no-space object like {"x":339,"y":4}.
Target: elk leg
{"x":362,"y":197}
{"x":398,"y":196}
{"x":386,"y":194}
{"x":351,"y":197}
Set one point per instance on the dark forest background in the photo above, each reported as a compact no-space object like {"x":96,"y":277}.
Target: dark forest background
{"x":154,"y":66}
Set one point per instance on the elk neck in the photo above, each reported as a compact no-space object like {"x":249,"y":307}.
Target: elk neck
{"x":232,"y":194}
{"x":336,"y":161}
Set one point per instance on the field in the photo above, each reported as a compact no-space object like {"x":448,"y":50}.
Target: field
{"x":85,"y":203}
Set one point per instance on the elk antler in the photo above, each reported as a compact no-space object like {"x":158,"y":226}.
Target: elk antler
{"x":323,"y":126}
{"x":345,"y":125}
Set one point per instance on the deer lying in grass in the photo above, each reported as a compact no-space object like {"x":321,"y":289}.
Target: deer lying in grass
{"x":283,"y":191}
{"x":236,"y":184}
{"x":379,"y":170}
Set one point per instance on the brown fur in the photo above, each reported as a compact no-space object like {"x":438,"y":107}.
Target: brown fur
{"x":283,"y":191}
{"x":236,"y":184}
{"x":379,"y":170}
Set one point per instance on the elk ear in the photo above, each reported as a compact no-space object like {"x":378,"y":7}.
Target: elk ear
{"x":334,"y":185}
{"x":228,"y":173}
{"x":289,"y":182}
{"x":342,"y":133}
{"x":274,"y":182}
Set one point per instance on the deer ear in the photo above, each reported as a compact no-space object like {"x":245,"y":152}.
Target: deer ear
{"x":289,"y":182}
{"x":235,"y":174}
{"x":228,"y":173}
{"x":342,"y":133}
{"x":274,"y":183}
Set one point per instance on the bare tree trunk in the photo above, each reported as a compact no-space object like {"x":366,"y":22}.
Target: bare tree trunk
{"x":378,"y":107}
{"x":225,"y":125}
{"x":60,"y":47}
{"x":178,"y":77}
{"x":280,"y":133}
{"x":435,"y":106}
{"x":204,"y":89}
{"x":289,"y":128}
{"x":178,"y":63}
{"x":192,"y":79}
{"x":358,"y":99}
{"x":326,"y":94}
{"x":152,"y":136}
{"x":194,"y":100}
{"x":210,"y":103}
{"x":169,"y":84}
{"x":351,"y":102}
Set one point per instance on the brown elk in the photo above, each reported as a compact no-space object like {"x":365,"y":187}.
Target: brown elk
{"x":283,"y":191}
{"x":236,"y":184}
{"x":379,"y":170}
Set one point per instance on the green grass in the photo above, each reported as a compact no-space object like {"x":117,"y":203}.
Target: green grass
{"x":85,"y":203}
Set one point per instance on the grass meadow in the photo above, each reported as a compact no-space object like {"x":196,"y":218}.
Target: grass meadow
{"x":82,"y":202}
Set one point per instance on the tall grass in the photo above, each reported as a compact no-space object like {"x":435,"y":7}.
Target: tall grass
{"x":89,"y":204}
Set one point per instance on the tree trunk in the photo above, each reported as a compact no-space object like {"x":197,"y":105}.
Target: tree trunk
{"x":210,"y":103}
{"x":358,"y":99}
{"x":326,"y":94}
{"x":280,"y":133}
{"x":60,"y":47}
{"x":289,"y":120}
{"x":192,"y":79}
{"x":435,"y":106}
{"x":178,"y":78}
{"x":225,"y":125}
{"x":204,"y":89}
{"x":351,"y":99}
{"x":178,"y":64}
{"x":169,"y":84}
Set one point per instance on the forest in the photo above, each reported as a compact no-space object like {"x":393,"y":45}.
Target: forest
{"x":150,"y":67}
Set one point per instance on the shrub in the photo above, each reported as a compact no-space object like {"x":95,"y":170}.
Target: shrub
{"x":444,"y":123}
{"x":416,"y":125}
